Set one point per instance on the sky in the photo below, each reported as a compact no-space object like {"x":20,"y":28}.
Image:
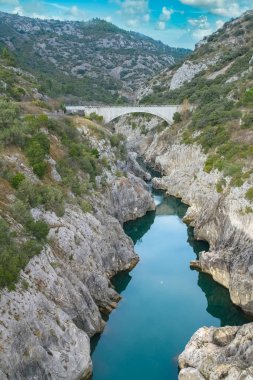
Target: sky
{"x":178,"y":23}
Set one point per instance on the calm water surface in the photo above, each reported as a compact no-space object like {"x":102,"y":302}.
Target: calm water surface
{"x":164,"y":301}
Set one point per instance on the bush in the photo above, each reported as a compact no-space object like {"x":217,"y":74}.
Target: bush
{"x":249,"y":194}
{"x":177,"y":117}
{"x":248,"y":120}
{"x":94,"y":116}
{"x":17,"y":93}
{"x":8,"y":113}
{"x":86,"y":206}
{"x":14,"y":256}
{"x":35,"y":195}
{"x":248,"y":96}
{"x":116,"y":140}
{"x":36,"y":150}
{"x":40,"y":169}
{"x":34,"y":122}
{"x":39,"y":229}
{"x":17,"y":179}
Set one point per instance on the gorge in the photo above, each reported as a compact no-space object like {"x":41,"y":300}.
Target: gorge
{"x":164,"y":302}
{"x":74,"y":198}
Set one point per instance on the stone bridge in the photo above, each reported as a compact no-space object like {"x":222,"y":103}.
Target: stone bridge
{"x":110,"y":113}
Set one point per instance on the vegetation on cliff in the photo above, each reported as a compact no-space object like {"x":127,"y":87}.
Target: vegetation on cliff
{"x":88,"y":61}
{"x":222,"y":95}
{"x":46,"y":162}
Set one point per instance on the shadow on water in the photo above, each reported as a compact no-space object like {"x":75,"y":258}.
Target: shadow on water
{"x":138,"y":228}
{"x":197,"y":245}
{"x":219,"y":304}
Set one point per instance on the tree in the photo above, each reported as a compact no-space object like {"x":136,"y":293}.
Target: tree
{"x":177,"y":117}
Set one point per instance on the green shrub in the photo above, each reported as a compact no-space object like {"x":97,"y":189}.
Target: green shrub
{"x":220,"y":185}
{"x":35,"y":122}
{"x":116,"y":140}
{"x":94,"y":116}
{"x":248,"y":96}
{"x":39,"y":229}
{"x":25,"y":284}
{"x":40,"y":169}
{"x":248,"y":120}
{"x":35,"y":195}
{"x":38,"y":147}
{"x":249,"y":194}
{"x":14,"y":256}
{"x":17,"y":179}
{"x":9,"y":113}
{"x":17,"y":93}
{"x":177,"y":117}
{"x":86,"y":206}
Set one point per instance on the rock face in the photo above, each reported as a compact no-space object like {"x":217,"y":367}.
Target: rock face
{"x":186,"y":73}
{"x":219,"y":218}
{"x":218,"y":353}
{"x":46,"y":323}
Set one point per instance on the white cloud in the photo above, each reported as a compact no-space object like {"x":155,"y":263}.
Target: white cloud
{"x":108,"y":18}
{"x":75,"y":13}
{"x":201,"y":22}
{"x":132,"y":23}
{"x":18,"y":10}
{"x":161,"y":25}
{"x":134,"y":12}
{"x":146,"y":17}
{"x":225,"y":8}
{"x":166,"y":14}
{"x":133,"y":7}
{"x":48,"y":10}
{"x":199,"y":34}
{"x":219,"y":24}
{"x":9,"y":2}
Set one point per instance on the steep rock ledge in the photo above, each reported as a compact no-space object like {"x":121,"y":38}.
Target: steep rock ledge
{"x":45,"y":324}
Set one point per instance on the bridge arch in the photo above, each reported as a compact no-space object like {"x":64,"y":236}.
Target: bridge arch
{"x":111,"y":113}
{"x":146,"y":112}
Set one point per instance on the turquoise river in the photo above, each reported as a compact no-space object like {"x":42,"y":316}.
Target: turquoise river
{"x":164,"y":301}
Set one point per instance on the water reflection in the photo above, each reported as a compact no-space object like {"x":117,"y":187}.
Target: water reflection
{"x":197,"y":245}
{"x":138,"y":228}
{"x":219,"y":304}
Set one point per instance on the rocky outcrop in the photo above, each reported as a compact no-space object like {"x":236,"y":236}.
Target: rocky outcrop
{"x":186,"y":73}
{"x":218,"y":353}
{"x":46,"y":322}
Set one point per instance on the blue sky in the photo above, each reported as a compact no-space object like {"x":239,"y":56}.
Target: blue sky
{"x":179,"y":23}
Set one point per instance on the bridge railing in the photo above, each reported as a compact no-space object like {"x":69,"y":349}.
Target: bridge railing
{"x":132,"y":106}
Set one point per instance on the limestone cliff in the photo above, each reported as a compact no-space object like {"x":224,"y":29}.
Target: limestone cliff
{"x":62,"y":294}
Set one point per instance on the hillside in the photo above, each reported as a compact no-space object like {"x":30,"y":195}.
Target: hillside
{"x":218,"y":80}
{"x":85,"y":61}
